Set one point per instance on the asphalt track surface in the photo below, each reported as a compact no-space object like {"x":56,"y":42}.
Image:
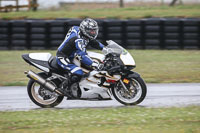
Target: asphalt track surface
{"x":158,"y":95}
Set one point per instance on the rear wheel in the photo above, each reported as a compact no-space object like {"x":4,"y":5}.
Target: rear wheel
{"x":41,"y":96}
{"x":134,"y":92}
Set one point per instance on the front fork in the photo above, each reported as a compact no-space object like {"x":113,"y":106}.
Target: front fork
{"x":124,"y":86}
{"x":113,"y":86}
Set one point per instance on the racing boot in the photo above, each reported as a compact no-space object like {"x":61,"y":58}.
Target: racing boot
{"x":74,"y":79}
{"x":64,"y":90}
{"x":66,"y":87}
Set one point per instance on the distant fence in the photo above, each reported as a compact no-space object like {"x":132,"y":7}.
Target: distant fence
{"x":153,"y":33}
{"x":32,"y":4}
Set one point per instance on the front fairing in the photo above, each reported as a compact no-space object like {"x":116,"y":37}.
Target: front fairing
{"x":125,"y":56}
{"x":96,"y":56}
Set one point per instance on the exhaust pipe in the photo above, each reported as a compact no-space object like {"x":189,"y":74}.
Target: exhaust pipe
{"x":30,"y":74}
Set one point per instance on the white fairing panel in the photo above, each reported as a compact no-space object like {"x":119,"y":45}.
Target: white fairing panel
{"x":96,"y":55}
{"x":92,"y":91}
{"x":40,"y":56}
{"x":127,"y":59}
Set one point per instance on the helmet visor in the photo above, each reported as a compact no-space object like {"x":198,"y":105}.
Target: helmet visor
{"x":92,"y":32}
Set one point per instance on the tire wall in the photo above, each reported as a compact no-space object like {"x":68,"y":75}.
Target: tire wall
{"x":152,"y":33}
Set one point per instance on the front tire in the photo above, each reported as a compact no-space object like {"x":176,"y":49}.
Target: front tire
{"x":136,"y":91}
{"x":34,"y":92}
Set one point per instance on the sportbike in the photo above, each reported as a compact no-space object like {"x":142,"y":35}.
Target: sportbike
{"x":114,"y":78}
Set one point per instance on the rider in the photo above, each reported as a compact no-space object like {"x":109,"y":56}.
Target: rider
{"x":74,"y":45}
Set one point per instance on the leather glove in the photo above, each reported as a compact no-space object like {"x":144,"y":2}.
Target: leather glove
{"x":104,"y":50}
{"x":95,"y":65}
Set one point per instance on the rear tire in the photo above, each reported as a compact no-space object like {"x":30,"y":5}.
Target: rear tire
{"x":36,"y":97}
{"x":140,"y":93}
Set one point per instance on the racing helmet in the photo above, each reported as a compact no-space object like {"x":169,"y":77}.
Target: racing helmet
{"x":89,"y":28}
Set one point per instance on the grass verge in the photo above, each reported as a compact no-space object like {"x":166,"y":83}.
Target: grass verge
{"x":120,"y":13}
{"x":155,"y":66}
{"x":118,"y":120}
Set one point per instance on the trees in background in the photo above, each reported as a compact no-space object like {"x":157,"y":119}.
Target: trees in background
{"x":121,"y":3}
{"x":173,"y":2}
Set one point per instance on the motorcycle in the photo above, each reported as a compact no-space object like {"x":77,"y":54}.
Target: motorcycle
{"x":113,"y":78}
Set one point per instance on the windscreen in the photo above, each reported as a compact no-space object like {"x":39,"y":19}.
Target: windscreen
{"x":113,"y":47}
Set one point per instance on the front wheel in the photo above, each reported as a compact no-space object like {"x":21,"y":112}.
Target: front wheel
{"x":130,"y":91}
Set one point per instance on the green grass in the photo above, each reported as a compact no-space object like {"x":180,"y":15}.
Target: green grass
{"x":155,"y":66}
{"x":168,"y":66}
{"x":122,"y":13}
{"x":118,"y":120}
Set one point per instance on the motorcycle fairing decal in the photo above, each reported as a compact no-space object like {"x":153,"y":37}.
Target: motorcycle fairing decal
{"x":90,"y":80}
{"x":114,"y":77}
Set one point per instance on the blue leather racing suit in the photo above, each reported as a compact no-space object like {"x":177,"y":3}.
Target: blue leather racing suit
{"x":75,"y":46}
